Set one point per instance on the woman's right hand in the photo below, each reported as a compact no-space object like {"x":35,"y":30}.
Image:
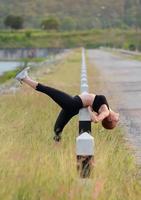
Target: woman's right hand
{"x":93,"y":115}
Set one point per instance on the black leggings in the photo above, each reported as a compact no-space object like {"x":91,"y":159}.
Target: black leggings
{"x":70,"y":105}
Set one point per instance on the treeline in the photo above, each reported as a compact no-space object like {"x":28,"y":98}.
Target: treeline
{"x":16,"y":22}
{"x":72,"y":14}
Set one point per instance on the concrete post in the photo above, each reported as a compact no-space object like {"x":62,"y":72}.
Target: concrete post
{"x":84,"y":142}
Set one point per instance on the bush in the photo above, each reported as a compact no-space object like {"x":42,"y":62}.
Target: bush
{"x":3,"y":38}
{"x":132,"y":47}
{"x":28,"y":34}
{"x":14,"y":22}
{"x":52,"y":23}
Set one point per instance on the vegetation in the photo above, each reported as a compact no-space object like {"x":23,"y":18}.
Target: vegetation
{"x":51,"y":23}
{"x":14,"y":22}
{"x":33,"y":167}
{"x":32,"y":60}
{"x":8,"y":75}
{"x":128,"y":39}
{"x":83,"y":14}
{"x":69,"y":24}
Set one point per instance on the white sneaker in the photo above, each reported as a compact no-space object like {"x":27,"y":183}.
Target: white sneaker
{"x":23,"y":74}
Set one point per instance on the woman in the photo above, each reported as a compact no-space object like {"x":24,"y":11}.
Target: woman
{"x":97,"y":105}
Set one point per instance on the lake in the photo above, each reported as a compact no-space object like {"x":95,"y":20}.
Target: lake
{"x":8,"y":65}
{"x":15,"y":54}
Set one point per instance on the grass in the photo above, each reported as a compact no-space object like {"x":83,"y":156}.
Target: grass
{"x":128,"y":55}
{"x":37,"y":59}
{"x":32,"y":167}
{"x":137,"y":57}
{"x":9,"y":74}
{"x":90,"y":38}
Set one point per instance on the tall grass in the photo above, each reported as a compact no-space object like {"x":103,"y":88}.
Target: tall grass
{"x":33,"y":167}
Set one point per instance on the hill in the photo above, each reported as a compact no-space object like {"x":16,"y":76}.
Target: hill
{"x":83,"y":13}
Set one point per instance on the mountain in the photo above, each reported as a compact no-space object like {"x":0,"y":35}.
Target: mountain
{"x":83,"y":13}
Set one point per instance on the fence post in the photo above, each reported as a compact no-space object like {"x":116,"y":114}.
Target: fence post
{"x":84,"y":142}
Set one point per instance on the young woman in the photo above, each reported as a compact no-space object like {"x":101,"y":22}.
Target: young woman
{"x":97,"y":105}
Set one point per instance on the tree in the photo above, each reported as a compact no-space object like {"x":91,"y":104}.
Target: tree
{"x":52,"y":23}
{"x":15,"y":22}
{"x":68,"y":24}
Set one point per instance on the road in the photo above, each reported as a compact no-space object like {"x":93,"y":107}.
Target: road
{"x":123,"y":78}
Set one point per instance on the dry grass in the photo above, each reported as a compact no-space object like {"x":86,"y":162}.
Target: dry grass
{"x":32,"y":167}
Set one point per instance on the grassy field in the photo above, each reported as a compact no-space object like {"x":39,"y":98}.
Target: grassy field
{"x":128,"y":39}
{"x":33,"y":167}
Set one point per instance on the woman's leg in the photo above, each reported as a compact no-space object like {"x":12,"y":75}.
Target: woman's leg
{"x":61,"y":98}
{"x":63,"y":118}
{"x":30,"y":82}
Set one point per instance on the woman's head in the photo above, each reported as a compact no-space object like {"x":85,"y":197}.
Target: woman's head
{"x":111,"y":121}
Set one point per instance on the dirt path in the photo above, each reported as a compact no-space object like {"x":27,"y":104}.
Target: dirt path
{"x":123,"y":78}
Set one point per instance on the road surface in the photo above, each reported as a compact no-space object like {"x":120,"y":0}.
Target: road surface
{"x":123,"y":77}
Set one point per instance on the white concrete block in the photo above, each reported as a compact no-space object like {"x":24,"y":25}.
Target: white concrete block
{"x":84,"y":82}
{"x":84,"y":87}
{"x":84,"y":79}
{"x":83,"y":75}
{"x":85,"y":144}
{"x":84,"y":115}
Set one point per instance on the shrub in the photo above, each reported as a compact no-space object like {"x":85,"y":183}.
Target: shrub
{"x":14,"y":22}
{"x":132,"y":47}
{"x":28,"y":34}
{"x":52,"y":23}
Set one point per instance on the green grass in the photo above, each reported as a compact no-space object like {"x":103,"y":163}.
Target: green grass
{"x":91,"y":38}
{"x":9,"y":74}
{"x":33,"y":167}
{"x":37,"y":59}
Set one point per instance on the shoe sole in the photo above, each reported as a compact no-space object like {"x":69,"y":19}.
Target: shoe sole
{"x":26,"y":68}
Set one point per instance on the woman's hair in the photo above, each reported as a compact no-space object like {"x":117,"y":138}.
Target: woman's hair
{"x":108,"y":124}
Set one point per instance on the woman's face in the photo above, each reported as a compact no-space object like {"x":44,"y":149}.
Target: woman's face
{"x":113,"y":116}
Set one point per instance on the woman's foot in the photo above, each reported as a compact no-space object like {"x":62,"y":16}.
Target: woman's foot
{"x":23,"y":74}
{"x":57,"y":138}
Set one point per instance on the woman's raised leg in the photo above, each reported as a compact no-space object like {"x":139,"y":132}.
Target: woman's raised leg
{"x":23,"y":77}
{"x":30,"y":82}
{"x":61,"y":98}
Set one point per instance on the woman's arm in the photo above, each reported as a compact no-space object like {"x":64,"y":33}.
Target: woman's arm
{"x":98,"y":117}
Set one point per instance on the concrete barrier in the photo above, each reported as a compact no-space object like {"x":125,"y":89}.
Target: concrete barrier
{"x":84,"y":142}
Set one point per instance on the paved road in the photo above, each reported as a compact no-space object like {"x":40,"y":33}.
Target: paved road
{"x":124,"y":79}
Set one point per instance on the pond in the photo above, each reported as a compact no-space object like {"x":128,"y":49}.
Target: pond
{"x":8,"y":56}
{"x":8,"y":65}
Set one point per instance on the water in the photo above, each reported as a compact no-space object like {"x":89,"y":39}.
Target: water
{"x":8,"y":65}
{"x":16,"y":53}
